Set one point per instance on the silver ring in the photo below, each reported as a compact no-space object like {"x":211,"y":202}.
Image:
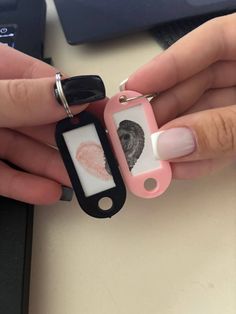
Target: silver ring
{"x":123,"y":99}
{"x":62,"y":95}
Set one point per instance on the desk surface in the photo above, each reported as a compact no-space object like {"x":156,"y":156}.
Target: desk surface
{"x":172,"y":255}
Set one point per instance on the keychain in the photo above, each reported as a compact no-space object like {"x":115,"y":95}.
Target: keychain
{"x":88,"y":158}
{"x":130,"y":122}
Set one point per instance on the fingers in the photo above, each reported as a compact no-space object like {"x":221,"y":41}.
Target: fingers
{"x":18,"y":65}
{"x":26,"y":101}
{"x":215,"y":98}
{"x":29,"y":102}
{"x":98,"y":110}
{"x":32,"y":156}
{"x":203,"y":135}
{"x":44,"y":134}
{"x":189,"y":56}
{"x":23,"y":99}
{"x":28,"y":188}
{"x":178,"y":99}
{"x":197,"y":169}
{"x":182,"y":97}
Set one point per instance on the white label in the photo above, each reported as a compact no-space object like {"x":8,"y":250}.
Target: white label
{"x":88,"y":157}
{"x":135,"y":137}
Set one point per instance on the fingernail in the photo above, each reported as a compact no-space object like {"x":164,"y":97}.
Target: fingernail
{"x":122,"y":85}
{"x":67,"y":194}
{"x":82,"y":89}
{"x":173,"y":143}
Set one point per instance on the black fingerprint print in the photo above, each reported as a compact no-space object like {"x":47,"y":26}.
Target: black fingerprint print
{"x":132,"y":140}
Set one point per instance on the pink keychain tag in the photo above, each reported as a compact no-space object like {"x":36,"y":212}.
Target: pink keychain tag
{"x":130,"y":122}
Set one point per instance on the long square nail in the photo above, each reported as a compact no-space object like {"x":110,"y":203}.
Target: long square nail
{"x":82,"y":89}
{"x":67,"y":194}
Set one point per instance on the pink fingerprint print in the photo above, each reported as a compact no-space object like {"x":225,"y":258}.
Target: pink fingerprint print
{"x":91,"y":157}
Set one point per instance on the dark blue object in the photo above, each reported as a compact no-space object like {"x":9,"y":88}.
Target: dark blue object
{"x":95,"y":20}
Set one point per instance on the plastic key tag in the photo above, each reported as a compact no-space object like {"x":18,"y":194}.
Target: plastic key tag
{"x":92,"y":168}
{"x":130,"y":122}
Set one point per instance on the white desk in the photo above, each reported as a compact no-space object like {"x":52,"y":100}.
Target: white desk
{"x":172,"y":255}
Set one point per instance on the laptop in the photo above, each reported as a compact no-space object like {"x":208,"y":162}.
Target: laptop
{"x":86,"y":21}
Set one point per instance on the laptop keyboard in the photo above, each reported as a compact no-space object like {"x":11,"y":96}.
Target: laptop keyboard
{"x":168,"y":34}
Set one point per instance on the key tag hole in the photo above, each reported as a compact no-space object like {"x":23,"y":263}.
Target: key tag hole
{"x":150,"y":184}
{"x":105,"y":203}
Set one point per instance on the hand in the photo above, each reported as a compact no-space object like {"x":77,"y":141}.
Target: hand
{"x":28,"y":112}
{"x":196,"y":109}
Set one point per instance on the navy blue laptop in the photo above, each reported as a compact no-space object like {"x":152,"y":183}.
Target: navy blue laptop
{"x":95,"y":20}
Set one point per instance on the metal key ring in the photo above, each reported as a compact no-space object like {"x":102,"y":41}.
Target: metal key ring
{"x":123,"y":99}
{"x":61,"y":95}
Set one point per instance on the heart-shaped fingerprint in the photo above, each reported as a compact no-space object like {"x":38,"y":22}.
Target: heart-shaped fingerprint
{"x":91,"y":157}
{"x":132,"y":140}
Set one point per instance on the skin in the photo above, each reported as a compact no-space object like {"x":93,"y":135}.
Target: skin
{"x":28,"y":113}
{"x":196,"y":79}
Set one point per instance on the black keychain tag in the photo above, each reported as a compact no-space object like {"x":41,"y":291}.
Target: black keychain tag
{"x":92,"y":168}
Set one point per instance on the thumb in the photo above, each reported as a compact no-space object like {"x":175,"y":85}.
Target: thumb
{"x":204,"y":135}
{"x":30,"y":102}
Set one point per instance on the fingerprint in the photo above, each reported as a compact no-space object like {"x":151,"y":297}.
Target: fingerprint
{"x":91,"y":157}
{"x":132,"y":140}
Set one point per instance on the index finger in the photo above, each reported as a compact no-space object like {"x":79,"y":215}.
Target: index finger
{"x":190,"y":55}
{"x":30,"y":102}
{"x":17,"y":65}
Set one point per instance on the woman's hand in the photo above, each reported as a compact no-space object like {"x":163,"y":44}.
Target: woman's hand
{"x":28,"y":112}
{"x":196,"y":109}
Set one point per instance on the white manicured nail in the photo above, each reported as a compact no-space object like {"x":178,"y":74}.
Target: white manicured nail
{"x":122,"y":85}
{"x":173,"y":143}
{"x":154,"y":139}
